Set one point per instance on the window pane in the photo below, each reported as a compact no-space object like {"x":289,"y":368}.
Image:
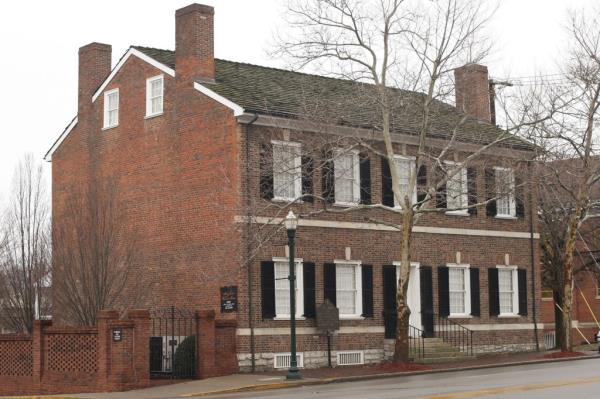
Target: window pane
{"x":346,"y":288}
{"x":282,"y":289}
{"x":404,"y":168}
{"x":456,"y":287}
{"x":505,"y":190}
{"x":505,"y":287}
{"x":456,"y":190}
{"x":156,"y":88}
{"x":344,"y":178}
{"x":285,"y":171}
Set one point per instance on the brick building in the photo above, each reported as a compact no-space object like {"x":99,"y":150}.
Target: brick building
{"x":192,"y":141}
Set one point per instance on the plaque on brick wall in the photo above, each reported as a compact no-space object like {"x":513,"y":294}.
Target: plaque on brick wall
{"x":328,"y":317}
{"x":117,"y":335}
{"x":229,"y":299}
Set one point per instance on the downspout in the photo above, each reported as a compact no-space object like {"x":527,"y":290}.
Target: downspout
{"x":249,"y":245}
{"x":532,"y":250}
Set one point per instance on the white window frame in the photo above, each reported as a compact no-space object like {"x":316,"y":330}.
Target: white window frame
{"x":358,"y":297}
{"x":149,"y":97}
{"x":515,"y":295}
{"x":464,"y":195}
{"x":356,"y":182}
{"x":512,"y":205}
{"x":291,"y":146}
{"x":107,"y":94}
{"x":467,"y":281}
{"x":412,"y":168}
{"x":299,"y":287}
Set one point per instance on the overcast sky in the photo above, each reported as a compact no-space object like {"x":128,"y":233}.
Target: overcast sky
{"x":39,"y":42}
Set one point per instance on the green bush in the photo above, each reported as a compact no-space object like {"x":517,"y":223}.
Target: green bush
{"x":184,"y":362}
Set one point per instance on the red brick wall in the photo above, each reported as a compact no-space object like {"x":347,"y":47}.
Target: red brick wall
{"x":178,"y":186}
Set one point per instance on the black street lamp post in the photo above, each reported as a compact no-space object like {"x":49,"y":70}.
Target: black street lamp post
{"x":291,"y":223}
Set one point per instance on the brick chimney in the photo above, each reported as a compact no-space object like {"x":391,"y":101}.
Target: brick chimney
{"x":473,"y":91}
{"x":194,"y":43}
{"x":94,"y":68}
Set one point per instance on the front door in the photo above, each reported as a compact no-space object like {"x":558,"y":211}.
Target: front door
{"x":414,"y":296}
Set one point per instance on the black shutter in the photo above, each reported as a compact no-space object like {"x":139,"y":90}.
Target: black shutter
{"x":267,"y":286}
{"x":329,"y":282}
{"x":387,"y":195}
{"x":367,"y":290}
{"x":519,"y":197}
{"x":328,"y":177}
{"x":308,"y":271}
{"x":493,"y":291}
{"x":389,"y":300}
{"x":308,"y":169}
{"x":522,"y":277}
{"x":472,"y":190}
{"x":421,"y":183}
{"x":365,"y":179}
{"x":426,"y":299}
{"x":475,"y":297}
{"x":490,"y":192}
{"x":266,"y":171}
{"x":443,"y":291}
{"x":440,"y":194}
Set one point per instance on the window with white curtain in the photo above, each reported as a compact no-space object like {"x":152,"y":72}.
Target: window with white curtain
{"x":505,"y":190}
{"x":508,"y":291}
{"x":347,"y":178}
{"x":282,"y":288}
{"x":348,"y":289}
{"x":111,"y":108}
{"x":459,"y":290}
{"x":456,"y":189}
{"x":154,"y":95}
{"x":405,"y":166}
{"x":287,"y":170}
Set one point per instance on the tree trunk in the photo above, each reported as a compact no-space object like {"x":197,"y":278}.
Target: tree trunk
{"x":401,"y":347}
{"x":558,"y":319}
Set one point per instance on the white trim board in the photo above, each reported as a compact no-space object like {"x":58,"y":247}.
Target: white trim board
{"x":381,"y":329}
{"x":383,"y":227}
{"x":61,"y":138}
{"x":123,"y":60}
{"x":237,"y":110}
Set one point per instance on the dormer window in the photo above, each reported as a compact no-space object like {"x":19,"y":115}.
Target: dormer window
{"x":111,"y":108}
{"x":154,"y":96}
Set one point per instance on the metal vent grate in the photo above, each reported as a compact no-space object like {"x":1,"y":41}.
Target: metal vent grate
{"x":350,"y":358}
{"x":282,"y":360}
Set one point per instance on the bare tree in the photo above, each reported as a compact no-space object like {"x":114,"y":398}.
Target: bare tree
{"x":25,"y":249}
{"x":569,"y":146}
{"x":392,"y":49}
{"x":94,"y":256}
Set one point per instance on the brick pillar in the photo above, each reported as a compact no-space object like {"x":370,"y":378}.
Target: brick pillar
{"x":37,"y":344}
{"x":205,"y":343}
{"x":226,"y":345}
{"x":141,"y":342}
{"x":105,"y":317}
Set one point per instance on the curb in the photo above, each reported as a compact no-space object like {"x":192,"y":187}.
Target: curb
{"x":324,"y":381}
{"x":41,"y":397}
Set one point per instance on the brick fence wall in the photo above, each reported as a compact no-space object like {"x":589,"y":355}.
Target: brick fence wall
{"x":88,"y":359}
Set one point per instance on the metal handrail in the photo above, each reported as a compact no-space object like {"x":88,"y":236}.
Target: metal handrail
{"x":416,"y":341}
{"x":454,"y":334}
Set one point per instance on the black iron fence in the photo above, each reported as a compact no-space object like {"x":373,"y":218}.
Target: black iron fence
{"x":173,"y":343}
{"x":454,"y":334}
{"x":416,"y":342}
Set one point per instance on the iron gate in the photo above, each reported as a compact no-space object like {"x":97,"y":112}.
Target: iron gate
{"x":173,"y":343}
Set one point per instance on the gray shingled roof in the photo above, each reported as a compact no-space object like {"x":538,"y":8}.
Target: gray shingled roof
{"x":278,"y":92}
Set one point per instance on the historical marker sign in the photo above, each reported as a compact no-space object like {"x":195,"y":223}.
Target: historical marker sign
{"x":229,"y":299}
{"x":117,"y":335}
{"x":328,"y":317}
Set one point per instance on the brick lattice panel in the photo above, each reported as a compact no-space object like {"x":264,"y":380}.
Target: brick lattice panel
{"x":72,"y":352}
{"x":16,"y":358}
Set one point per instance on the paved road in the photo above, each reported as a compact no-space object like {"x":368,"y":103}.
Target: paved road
{"x":574,"y":380}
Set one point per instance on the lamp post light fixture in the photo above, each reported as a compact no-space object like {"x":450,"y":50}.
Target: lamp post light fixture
{"x":291,"y":223}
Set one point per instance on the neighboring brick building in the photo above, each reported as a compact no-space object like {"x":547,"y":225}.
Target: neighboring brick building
{"x":191,"y":140}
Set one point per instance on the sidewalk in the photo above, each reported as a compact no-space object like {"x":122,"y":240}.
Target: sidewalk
{"x":276,"y":380}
